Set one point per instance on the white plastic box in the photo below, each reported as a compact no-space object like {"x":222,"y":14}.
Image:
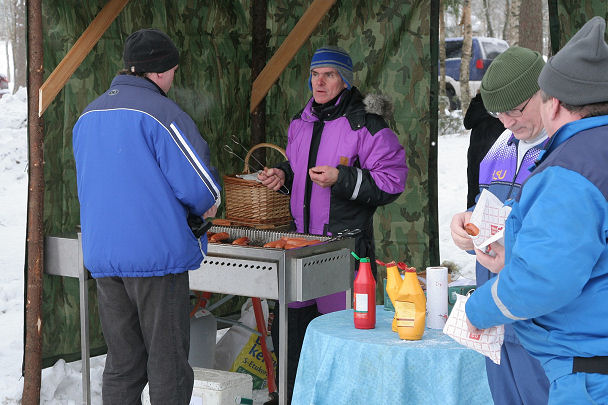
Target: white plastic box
{"x":216,"y":387}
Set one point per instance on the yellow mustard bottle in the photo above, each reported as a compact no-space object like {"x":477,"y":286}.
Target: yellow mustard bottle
{"x":393,"y":283}
{"x":410,"y":307}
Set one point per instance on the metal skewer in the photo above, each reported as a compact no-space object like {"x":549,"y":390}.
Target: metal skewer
{"x":263,"y":167}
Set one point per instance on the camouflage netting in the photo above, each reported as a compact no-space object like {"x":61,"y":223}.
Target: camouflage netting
{"x":393,"y":45}
{"x":567,"y":16}
{"x":391,"y":49}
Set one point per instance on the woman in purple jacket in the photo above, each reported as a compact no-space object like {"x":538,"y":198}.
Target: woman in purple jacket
{"x":343,"y":162}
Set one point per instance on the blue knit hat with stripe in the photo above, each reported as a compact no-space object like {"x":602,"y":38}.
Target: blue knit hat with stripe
{"x":333,"y":57}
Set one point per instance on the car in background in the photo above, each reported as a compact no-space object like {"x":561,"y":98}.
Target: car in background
{"x":483,"y":52}
{"x":3,"y":85}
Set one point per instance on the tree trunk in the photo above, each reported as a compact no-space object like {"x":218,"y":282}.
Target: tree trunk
{"x":443,"y":103}
{"x":35,"y":226}
{"x":465,"y":59}
{"x":258,"y":61}
{"x":490,"y":30}
{"x":514,"y":23}
{"x":531,"y":25}
{"x":505,"y":27}
{"x":20,"y":47}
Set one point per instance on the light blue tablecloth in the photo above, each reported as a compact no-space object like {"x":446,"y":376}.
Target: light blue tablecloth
{"x":343,"y":365}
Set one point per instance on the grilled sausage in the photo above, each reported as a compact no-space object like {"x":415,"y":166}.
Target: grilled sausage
{"x":219,"y":237}
{"x":278,"y":244}
{"x":299,"y":242}
{"x":244,"y":241}
{"x":471,"y":229}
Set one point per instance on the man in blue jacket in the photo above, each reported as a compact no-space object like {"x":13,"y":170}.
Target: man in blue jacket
{"x":553,"y":288}
{"x":142,"y":168}
{"x":510,"y":86}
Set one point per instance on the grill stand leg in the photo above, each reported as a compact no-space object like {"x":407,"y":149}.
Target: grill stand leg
{"x":283,"y":327}
{"x":84,"y":327}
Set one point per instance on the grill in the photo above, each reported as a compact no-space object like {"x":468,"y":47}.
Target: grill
{"x":254,"y":271}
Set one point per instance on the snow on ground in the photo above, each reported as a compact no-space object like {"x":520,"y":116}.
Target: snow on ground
{"x":61,"y":384}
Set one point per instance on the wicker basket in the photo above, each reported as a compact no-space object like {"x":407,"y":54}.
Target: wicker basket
{"x":251,"y":203}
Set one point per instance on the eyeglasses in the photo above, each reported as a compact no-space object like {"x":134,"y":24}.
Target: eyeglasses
{"x":514,"y":113}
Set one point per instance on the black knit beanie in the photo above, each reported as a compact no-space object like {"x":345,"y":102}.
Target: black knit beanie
{"x":150,"y":51}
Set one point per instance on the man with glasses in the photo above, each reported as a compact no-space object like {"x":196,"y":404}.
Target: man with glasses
{"x":510,"y":92}
{"x":553,"y":283}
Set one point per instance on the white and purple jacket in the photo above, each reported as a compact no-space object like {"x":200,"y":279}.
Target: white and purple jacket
{"x":499,"y":174}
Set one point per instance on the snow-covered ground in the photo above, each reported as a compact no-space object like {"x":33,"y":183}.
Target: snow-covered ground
{"x":61,"y":384}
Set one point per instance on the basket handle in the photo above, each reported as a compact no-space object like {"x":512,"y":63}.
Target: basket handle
{"x":258,"y":146}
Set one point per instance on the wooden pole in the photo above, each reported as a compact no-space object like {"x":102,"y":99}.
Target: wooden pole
{"x":35,"y":208}
{"x":294,"y":41}
{"x":64,"y":70}
{"x":259,"y":43}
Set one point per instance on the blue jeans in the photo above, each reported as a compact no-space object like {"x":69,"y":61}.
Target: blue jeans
{"x":519,"y":379}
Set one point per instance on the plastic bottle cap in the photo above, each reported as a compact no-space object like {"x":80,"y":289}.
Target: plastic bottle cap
{"x":364,"y":260}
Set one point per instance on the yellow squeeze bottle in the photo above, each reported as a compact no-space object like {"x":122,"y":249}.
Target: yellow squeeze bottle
{"x":410,"y":307}
{"x":393,"y":283}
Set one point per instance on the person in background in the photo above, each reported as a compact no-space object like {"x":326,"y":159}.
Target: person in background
{"x":142,"y":168}
{"x":485,"y":129}
{"x":343,"y":162}
{"x":510,"y":88}
{"x":553,"y":288}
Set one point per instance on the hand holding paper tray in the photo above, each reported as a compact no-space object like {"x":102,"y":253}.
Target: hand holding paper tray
{"x":489,"y":216}
{"x":487,"y":343}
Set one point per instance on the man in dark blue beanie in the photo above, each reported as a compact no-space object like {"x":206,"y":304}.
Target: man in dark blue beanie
{"x":143,"y":170}
{"x":343,"y":162}
{"x":553,"y":288}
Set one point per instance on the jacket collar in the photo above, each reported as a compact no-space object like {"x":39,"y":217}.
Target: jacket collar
{"x":567,"y":131}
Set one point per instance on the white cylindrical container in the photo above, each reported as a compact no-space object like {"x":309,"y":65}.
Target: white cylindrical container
{"x":436,"y":297}
{"x":203,"y":330}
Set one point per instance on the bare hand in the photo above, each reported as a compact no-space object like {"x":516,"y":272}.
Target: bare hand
{"x":494,"y":262}
{"x":325,"y":176}
{"x":460,"y":237}
{"x":210,"y":212}
{"x":272,"y":178}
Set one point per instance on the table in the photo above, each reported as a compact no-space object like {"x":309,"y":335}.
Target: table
{"x":343,"y":365}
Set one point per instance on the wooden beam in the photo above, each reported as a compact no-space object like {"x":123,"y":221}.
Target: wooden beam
{"x":292,"y":44}
{"x":89,"y":38}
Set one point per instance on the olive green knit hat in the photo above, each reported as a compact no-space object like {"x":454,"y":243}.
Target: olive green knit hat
{"x":511,"y":79}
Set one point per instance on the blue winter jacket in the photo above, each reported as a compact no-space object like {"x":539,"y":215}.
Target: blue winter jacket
{"x":554,"y":286}
{"x":498,"y":173}
{"x":141,"y":167}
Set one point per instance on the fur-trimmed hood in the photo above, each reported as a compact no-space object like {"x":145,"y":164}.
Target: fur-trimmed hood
{"x":379,"y":104}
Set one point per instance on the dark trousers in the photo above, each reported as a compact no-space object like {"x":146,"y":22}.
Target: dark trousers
{"x":297,"y":322}
{"x":146,"y":326}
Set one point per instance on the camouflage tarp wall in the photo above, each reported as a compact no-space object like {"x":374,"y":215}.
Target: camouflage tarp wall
{"x":390,"y":42}
{"x":567,"y":16}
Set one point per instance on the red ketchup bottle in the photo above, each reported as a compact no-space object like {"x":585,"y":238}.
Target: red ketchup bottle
{"x":364,"y":291}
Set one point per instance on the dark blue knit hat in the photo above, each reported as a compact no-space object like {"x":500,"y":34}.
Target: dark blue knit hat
{"x":333,"y":57}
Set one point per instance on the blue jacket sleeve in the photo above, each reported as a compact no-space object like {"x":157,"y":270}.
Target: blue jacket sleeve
{"x":184,"y":158}
{"x":556,"y":235}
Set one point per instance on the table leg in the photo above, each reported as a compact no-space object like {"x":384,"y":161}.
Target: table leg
{"x":84,"y":327}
